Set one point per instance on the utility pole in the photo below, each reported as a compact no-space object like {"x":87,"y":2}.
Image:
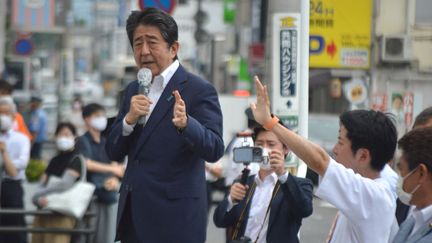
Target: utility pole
{"x":2,"y":34}
{"x":66,"y":68}
{"x":275,"y":6}
{"x":273,"y":67}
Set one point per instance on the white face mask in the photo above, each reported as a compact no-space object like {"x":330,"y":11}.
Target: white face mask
{"x":405,"y":197}
{"x":6,"y":122}
{"x":65,"y":143}
{"x":265,"y":165}
{"x":99,"y":123}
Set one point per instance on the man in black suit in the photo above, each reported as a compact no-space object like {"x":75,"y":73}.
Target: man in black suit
{"x":271,"y":206}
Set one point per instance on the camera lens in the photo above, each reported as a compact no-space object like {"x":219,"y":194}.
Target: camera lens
{"x":257,"y":151}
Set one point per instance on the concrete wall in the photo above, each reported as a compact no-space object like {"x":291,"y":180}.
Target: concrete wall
{"x":397,"y":17}
{"x":390,"y":17}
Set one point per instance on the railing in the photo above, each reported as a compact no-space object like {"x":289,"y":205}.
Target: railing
{"x":83,"y":226}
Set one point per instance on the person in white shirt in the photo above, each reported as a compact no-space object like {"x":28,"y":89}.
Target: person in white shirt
{"x":415,"y":185}
{"x":388,"y":174}
{"x":15,"y":154}
{"x":352,"y":183}
{"x":272,"y":204}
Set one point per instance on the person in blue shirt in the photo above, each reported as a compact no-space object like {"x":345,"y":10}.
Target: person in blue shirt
{"x":37,"y":126}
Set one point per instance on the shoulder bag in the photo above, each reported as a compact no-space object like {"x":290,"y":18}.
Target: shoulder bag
{"x":74,"y":201}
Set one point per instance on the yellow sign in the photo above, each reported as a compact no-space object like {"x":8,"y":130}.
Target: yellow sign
{"x":288,"y":22}
{"x":340,"y":33}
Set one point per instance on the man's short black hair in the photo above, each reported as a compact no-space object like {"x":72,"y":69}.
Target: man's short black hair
{"x":416,"y":147}
{"x":259,"y":128}
{"x":5,"y":87}
{"x":251,"y":123}
{"x":91,"y":109}
{"x":372,"y":130}
{"x":153,"y":17}
{"x":423,"y":117}
{"x":67,"y":125}
{"x":36,"y":98}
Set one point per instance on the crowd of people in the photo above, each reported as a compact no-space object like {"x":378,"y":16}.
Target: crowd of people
{"x":18,"y":145}
{"x":161,"y":194}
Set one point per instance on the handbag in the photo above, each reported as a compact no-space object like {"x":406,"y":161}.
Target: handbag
{"x":74,"y":201}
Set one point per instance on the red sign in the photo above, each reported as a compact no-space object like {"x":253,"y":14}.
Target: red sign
{"x":379,"y":102}
{"x":408,"y":106}
{"x":256,"y":54}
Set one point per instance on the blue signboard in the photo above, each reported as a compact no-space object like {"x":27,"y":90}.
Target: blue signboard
{"x":24,"y":47}
{"x":165,"y":5}
{"x":288,"y":62}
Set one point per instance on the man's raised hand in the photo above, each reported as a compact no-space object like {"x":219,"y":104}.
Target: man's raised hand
{"x":179,"y":114}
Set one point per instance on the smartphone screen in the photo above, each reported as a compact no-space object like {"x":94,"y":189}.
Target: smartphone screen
{"x":247,"y":154}
{"x":243,"y":154}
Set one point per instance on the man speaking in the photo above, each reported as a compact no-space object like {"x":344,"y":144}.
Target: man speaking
{"x":163,"y":197}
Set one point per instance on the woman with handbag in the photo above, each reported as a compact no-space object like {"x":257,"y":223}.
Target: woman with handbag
{"x":62,"y":172}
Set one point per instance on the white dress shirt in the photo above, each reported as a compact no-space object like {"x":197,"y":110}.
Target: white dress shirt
{"x":157,"y":87}
{"x":259,"y":204}
{"x":366,"y":206}
{"x":391,"y":177}
{"x":421,"y":218}
{"x":18,"y":148}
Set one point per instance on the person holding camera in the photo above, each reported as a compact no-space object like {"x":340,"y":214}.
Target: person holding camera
{"x":271,"y":205}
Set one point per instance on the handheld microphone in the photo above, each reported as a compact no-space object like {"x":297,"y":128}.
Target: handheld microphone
{"x":144,"y":77}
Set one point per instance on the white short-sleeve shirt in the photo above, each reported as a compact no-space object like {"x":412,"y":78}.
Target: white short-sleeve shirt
{"x":366,"y":206}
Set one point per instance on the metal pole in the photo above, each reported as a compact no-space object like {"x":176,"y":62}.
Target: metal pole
{"x":66,"y":73}
{"x":304,"y":79}
{"x":2,"y":34}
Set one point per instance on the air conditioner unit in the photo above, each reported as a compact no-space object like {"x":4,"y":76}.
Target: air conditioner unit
{"x":395,"y":49}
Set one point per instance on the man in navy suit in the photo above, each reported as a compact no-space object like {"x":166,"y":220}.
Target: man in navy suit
{"x":271,"y":207}
{"x":415,"y":186}
{"x":163,"y":193}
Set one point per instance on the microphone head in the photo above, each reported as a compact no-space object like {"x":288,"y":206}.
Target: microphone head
{"x":144,"y":77}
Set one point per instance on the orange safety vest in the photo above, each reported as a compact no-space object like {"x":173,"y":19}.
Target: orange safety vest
{"x":20,"y":126}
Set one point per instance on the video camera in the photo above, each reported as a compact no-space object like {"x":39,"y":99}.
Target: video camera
{"x":247,"y":154}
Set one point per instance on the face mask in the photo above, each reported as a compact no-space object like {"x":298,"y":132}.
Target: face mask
{"x":405,"y":197}
{"x":65,"y":143}
{"x":265,"y":165}
{"x":99,"y":123}
{"x":5,"y":122}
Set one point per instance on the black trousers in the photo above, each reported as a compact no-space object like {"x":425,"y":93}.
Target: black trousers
{"x":36,"y":151}
{"x":126,"y":231}
{"x":12,"y":197}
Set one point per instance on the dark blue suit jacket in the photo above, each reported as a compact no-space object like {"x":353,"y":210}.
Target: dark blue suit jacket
{"x":291,"y":204}
{"x":165,"y":177}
